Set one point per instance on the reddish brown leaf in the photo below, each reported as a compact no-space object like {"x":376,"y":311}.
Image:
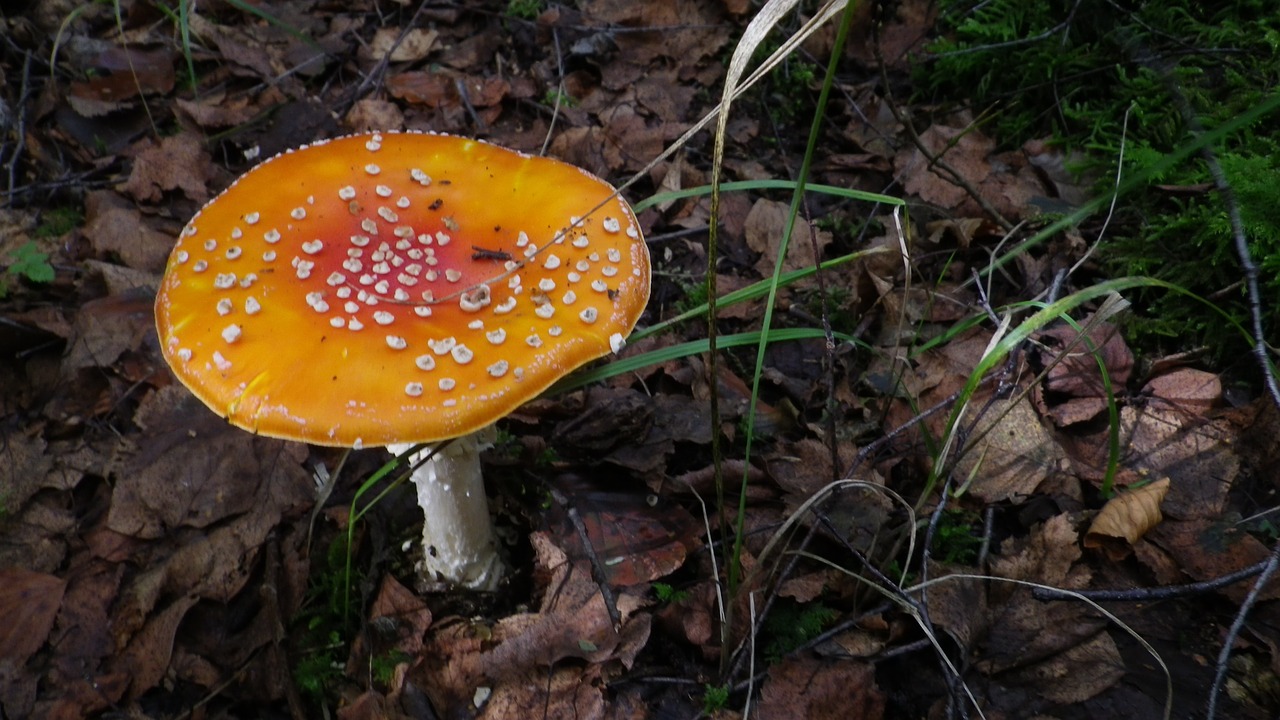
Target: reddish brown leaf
{"x":636,"y":542}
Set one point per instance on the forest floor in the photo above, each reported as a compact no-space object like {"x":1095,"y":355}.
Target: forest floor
{"x":157,"y":562}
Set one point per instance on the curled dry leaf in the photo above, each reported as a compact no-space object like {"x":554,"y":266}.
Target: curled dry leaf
{"x":1127,"y":517}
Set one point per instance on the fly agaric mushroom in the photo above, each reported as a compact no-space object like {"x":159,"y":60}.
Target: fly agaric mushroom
{"x":394,"y":289}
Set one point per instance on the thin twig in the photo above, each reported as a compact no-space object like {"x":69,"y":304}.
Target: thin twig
{"x":1156,"y":593}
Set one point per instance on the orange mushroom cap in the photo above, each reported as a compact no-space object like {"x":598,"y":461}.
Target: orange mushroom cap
{"x":395,"y":288}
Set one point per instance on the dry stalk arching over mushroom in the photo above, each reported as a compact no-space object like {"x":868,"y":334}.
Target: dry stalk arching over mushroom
{"x":390,"y":289}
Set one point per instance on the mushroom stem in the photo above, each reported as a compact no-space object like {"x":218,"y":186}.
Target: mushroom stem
{"x":459,"y":546}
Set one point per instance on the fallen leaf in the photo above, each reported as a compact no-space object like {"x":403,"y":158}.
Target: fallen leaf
{"x":178,"y":162}
{"x":1076,"y":673}
{"x":571,"y":623}
{"x":146,"y":658}
{"x":635,"y":541}
{"x":1047,"y":557}
{"x":1207,"y":549}
{"x":195,"y":470}
{"x":1073,"y":390}
{"x":1158,"y":440}
{"x":1190,"y":391}
{"x":1126,"y":517}
{"x":116,"y":228}
{"x":29,"y":602}
{"x":806,"y":687}
{"x":121,"y":74}
{"x":1013,"y":452}
{"x":963,"y":149}
{"x":416,"y":45}
{"x":765,"y":227}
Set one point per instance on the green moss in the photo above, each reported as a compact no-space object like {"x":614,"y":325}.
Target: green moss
{"x":1075,"y":70}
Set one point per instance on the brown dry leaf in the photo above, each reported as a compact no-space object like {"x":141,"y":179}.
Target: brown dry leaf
{"x":221,"y":113}
{"x":122,"y":74}
{"x":964,"y":149}
{"x":563,"y":693}
{"x":410,"y":614}
{"x":807,"y":587}
{"x":958,"y":606}
{"x":806,"y":687}
{"x":693,"y":617}
{"x":179,"y":162}
{"x":107,"y":328}
{"x":84,"y":638}
{"x":29,"y":602}
{"x":23,"y":468}
{"x":1191,"y":391}
{"x":370,"y":705}
{"x":1075,"y":674}
{"x":398,"y":621}
{"x":36,"y":536}
{"x":1207,"y":549}
{"x":115,"y":228}
{"x":765,"y":226}
{"x":417,"y":44}
{"x":1157,"y":440}
{"x":962,"y":230}
{"x":194,"y":470}
{"x":1074,"y":379}
{"x":572,"y":622}
{"x":146,"y":658}
{"x":1013,"y":453}
{"x":1047,"y":557}
{"x":373,"y":114}
{"x":1059,"y":650}
{"x":635,"y":540}
{"x":1126,"y":517}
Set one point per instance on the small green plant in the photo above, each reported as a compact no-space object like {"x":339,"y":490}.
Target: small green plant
{"x":320,"y":669}
{"x":792,"y":624}
{"x":955,"y":540}
{"x":694,"y":295}
{"x":714,"y":698}
{"x":524,"y":9}
{"x":668,"y":594}
{"x":548,"y":457}
{"x":321,"y":627}
{"x":552,"y":97}
{"x":29,"y":263}
{"x":384,"y":666}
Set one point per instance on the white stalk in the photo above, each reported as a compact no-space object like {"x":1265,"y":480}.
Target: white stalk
{"x":459,"y":546}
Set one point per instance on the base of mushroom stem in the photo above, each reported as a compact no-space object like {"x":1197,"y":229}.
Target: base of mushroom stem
{"x":459,"y":546}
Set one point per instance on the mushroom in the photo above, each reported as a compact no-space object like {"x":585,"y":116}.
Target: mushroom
{"x":391,"y":289}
